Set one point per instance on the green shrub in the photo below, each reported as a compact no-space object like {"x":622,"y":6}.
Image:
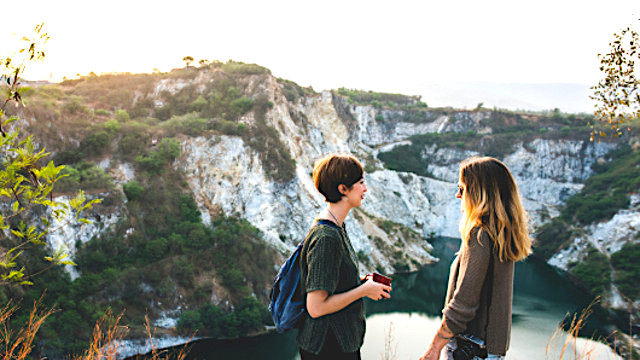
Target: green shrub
{"x":189,"y":321}
{"x":627,"y":270}
{"x":550,"y":237}
{"x":605,"y":192}
{"x":594,"y":272}
{"x":75,"y":105}
{"x":134,"y":142}
{"x":229,"y":127}
{"x":95,"y":143}
{"x":102,"y":112}
{"x":237,"y":67}
{"x":212,"y":317}
{"x":121,"y":115}
{"x":112,"y":126}
{"x":154,"y":163}
{"x":404,"y":158}
{"x":86,"y":176}
{"x":142,"y":108}
{"x":198,"y":104}
{"x":132,"y":190}
{"x":184,"y":272}
{"x":377,"y":98}
{"x":234,"y":280}
{"x":189,"y":124}
{"x":241,"y":105}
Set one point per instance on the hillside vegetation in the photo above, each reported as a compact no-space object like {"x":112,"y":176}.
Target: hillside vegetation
{"x":159,"y":248}
{"x":160,"y":259}
{"x":604,"y":194}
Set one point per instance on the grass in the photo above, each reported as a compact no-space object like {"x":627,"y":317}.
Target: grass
{"x":390,"y":345}
{"x":18,"y":344}
{"x":567,"y":344}
{"x":107,"y":336}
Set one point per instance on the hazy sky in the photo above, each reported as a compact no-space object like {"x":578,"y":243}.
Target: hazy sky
{"x":411,"y":47}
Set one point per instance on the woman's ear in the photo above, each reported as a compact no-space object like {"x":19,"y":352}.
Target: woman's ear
{"x":342,"y":188}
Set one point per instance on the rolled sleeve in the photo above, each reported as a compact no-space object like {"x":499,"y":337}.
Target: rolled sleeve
{"x":323,"y":263}
{"x":474,"y":263}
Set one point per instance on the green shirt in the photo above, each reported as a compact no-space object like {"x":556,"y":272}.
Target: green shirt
{"x":328,"y":262}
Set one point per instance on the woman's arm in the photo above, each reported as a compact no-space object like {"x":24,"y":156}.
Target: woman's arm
{"x":461,"y":309}
{"x":440,"y":339}
{"x":474,"y":264}
{"x":319,"y":303}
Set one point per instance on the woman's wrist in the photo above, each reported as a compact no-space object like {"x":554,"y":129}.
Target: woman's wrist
{"x":442,"y":335}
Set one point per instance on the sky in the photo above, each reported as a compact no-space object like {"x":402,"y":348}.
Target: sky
{"x":514,"y":54}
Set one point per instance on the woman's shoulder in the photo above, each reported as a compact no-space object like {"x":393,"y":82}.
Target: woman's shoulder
{"x":479,"y":235}
{"x":322,"y":230}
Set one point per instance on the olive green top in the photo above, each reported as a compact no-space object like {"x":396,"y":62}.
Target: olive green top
{"x":328,"y":262}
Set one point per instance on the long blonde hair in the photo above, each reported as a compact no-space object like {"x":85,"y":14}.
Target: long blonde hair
{"x":491,"y":202}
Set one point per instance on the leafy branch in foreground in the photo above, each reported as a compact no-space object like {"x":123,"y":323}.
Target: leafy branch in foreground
{"x":28,"y":211}
{"x":617,"y":96}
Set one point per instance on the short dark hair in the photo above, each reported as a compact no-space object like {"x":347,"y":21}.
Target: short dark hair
{"x":335,"y":169}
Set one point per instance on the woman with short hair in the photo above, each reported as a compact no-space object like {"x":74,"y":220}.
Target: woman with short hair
{"x":335,"y":325}
{"x":494,"y":234}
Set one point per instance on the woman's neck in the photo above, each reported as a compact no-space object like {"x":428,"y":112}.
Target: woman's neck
{"x":339,"y":210}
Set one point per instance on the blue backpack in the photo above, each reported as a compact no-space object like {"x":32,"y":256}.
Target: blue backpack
{"x":287,"y":305}
{"x":287,"y":302}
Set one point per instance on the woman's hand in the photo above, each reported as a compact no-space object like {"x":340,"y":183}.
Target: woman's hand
{"x":375,"y":291}
{"x":320,"y":303}
{"x":438,"y":343}
{"x":431,"y":354}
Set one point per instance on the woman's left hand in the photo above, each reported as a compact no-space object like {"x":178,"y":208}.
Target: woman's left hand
{"x":435,"y":348}
{"x":431,"y":354}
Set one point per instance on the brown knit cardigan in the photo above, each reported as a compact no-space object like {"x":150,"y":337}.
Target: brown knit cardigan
{"x":479,"y":303}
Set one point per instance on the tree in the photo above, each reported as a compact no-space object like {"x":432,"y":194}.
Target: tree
{"x":187,"y":60}
{"x":26,"y":184}
{"x":203,"y":62}
{"x":617,"y":96}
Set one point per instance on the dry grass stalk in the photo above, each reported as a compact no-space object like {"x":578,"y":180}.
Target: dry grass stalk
{"x":107,"y":334}
{"x":19,"y":345}
{"x":571,"y":337}
{"x":390,"y":346}
{"x":163,"y":354}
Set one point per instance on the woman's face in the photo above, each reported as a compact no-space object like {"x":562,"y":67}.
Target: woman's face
{"x":355,"y":194}
{"x":462,"y":189}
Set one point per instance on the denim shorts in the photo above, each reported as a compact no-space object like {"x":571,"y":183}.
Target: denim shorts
{"x":452,"y":345}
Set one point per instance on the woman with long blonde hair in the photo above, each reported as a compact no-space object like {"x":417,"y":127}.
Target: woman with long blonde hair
{"x":476,"y":320}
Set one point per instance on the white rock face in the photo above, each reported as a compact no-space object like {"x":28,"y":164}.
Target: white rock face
{"x":67,"y":236}
{"x":420,"y":203}
{"x":225,"y":174}
{"x":607,"y":237}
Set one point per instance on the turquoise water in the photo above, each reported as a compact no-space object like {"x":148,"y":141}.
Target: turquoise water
{"x":408,"y":321}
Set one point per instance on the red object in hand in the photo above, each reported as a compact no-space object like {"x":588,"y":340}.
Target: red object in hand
{"x":381,"y":279}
